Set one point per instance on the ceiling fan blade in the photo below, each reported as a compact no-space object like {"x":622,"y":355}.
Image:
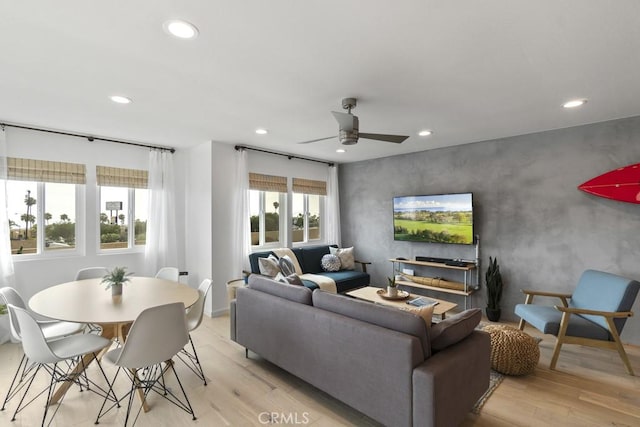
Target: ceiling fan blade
{"x":319,"y":139}
{"x":346,"y":121}
{"x":397,"y":139}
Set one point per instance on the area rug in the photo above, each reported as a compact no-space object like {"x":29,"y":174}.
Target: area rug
{"x":494,"y":381}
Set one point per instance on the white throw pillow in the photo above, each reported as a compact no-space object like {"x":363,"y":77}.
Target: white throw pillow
{"x":347,"y":260}
{"x":269,"y":266}
{"x":426,"y":312}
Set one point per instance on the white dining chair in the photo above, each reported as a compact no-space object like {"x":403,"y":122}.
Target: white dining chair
{"x":168,"y":273}
{"x":91,"y":273}
{"x":49,"y":354}
{"x":194,"y":319}
{"x":51,"y":330}
{"x":157,"y":335}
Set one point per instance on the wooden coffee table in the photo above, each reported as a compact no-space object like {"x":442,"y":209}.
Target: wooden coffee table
{"x":369,"y":293}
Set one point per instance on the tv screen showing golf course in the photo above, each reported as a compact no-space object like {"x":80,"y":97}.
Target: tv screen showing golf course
{"x":439,"y":218}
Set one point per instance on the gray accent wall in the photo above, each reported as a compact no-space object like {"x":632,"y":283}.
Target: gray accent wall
{"x":528,"y":211}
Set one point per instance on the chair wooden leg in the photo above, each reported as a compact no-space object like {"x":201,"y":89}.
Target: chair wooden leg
{"x":560,"y":339}
{"x":521,"y":324}
{"x":619,"y":346}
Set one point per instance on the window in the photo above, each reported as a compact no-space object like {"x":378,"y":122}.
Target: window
{"x":267,"y":202}
{"x":307,"y":202}
{"x":43,"y":195}
{"x":123,"y":207}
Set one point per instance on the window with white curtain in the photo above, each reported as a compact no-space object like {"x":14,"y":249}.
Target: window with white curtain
{"x":307,"y":210}
{"x":123,"y":199}
{"x":267,"y":209}
{"x":44,"y":195}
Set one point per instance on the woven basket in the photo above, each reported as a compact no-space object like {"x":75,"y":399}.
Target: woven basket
{"x":436,"y":282}
{"x":513,"y":352}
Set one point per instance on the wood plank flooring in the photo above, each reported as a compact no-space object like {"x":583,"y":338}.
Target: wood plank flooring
{"x":589,"y":388}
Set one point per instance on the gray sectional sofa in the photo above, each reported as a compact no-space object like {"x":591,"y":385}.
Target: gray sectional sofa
{"x":309,"y":258}
{"x":381,"y":361}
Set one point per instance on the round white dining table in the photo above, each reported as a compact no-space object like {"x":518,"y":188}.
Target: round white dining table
{"x":87,"y":301}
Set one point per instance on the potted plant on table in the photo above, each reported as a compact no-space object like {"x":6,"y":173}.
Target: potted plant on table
{"x":392,"y":287}
{"x":494,"y":284}
{"x":115,"y":279}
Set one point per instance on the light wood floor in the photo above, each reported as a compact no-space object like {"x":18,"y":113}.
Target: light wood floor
{"x":589,"y":388}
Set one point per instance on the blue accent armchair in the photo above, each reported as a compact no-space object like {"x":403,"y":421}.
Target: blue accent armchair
{"x":594,"y":315}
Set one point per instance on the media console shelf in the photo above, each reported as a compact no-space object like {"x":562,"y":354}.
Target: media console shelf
{"x":464,"y":288}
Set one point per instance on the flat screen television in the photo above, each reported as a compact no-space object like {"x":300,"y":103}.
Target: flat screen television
{"x":438,"y":218}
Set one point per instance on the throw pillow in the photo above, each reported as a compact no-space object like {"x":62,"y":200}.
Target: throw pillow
{"x":454,"y":329}
{"x":347,"y":260}
{"x":292,"y":279}
{"x":269,"y":266}
{"x":286,"y":266}
{"x":426,"y":312}
{"x":330,"y":262}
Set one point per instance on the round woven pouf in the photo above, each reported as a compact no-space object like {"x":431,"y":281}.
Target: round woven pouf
{"x":513,"y":352}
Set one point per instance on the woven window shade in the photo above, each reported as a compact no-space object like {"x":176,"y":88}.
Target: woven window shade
{"x":262,"y":182}
{"x":309,"y":186}
{"x":45,"y":171}
{"x":120,"y":177}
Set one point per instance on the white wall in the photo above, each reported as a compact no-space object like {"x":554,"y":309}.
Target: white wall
{"x":195,"y":169}
{"x":36,"y":274}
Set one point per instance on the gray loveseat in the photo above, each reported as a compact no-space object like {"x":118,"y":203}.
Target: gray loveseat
{"x":379,"y":360}
{"x":309,"y":258}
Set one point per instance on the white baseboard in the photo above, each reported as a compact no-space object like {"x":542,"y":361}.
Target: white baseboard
{"x":218,"y":312}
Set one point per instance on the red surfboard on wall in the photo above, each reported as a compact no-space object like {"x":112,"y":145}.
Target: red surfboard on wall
{"x":622,"y":184}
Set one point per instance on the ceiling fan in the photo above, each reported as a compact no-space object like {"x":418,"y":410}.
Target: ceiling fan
{"x":349,"y":132}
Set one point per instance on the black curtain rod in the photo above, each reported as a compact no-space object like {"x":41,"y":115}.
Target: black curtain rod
{"x":88,"y":137}
{"x":289,"y":156}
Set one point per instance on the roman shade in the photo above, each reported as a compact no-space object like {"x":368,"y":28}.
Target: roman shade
{"x":309,"y":186}
{"x":263,"y":182}
{"x":121,"y":177}
{"x":45,"y":171}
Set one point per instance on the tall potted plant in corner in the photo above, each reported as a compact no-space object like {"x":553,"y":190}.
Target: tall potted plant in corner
{"x":493,"y":280}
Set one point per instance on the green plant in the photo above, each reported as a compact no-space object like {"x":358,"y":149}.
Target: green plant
{"x":494,"y":284}
{"x":3,"y":309}
{"x":117,"y":276}
{"x":392,"y":282}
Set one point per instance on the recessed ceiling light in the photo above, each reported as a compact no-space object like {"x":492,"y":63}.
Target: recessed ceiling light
{"x":180,"y":29}
{"x":262,"y":131}
{"x":120,"y":99}
{"x":425,"y":132}
{"x":341,"y":150}
{"x":574,"y":103}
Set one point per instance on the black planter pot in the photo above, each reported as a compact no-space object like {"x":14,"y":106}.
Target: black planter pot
{"x":493,"y":314}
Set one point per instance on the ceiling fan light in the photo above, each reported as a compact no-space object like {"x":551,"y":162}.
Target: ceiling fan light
{"x":574,"y":103}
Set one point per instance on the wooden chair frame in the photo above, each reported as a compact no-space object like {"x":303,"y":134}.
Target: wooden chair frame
{"x":563,"y":338}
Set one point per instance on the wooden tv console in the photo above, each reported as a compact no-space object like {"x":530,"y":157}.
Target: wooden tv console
{"x":464,"y":288}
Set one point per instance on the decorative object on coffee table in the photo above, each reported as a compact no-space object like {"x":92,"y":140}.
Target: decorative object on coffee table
{"x":392,"y":288}
{"x":399,"y":295}
{"x":513,"y":352}
{"x":493,"y":280}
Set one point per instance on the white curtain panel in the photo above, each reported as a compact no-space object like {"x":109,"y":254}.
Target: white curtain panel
{"x":160,"y":248}
{"x":333,"y":207}
{"x":241,"y":245}
{"x":6,"y":262}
